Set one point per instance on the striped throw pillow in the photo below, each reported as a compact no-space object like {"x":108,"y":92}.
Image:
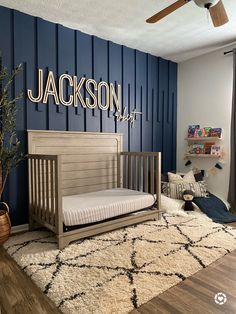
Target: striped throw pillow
{"x":175,"y":190}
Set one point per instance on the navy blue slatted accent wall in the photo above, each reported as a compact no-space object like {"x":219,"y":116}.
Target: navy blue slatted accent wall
{"x":149,"y":85}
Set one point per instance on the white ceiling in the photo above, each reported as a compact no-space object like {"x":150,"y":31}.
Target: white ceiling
{"x":184,"y":34}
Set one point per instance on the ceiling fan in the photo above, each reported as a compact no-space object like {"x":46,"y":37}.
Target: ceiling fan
{"x":215,"y":7}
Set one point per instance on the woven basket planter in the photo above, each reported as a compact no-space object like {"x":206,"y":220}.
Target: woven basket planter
{"x":5,"y":223}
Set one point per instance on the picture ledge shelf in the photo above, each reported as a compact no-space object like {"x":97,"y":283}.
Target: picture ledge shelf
{"x":203,"y":138}
{"x":202,"y":155}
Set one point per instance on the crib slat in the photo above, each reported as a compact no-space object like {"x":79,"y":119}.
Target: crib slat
{"x":52,"y":193}
{"x":47,"y":192}
{"x":34,"y":183}
{"x":58,"y":197}
{"x":119,"y":163}
{"x":29,"y":181}
{"x":43,"y":190}
{"x":36,"y":187}
{"x":152,"y":174}
{"x":141,"y":173}
{"x":130,"y":172}
{"x":158,"y":180}
{"x":125,"y":171}
{"x":136,"y":172}
{"x":146,"y":174}
{"x":32,"y":187}
{"x":39,"y":189}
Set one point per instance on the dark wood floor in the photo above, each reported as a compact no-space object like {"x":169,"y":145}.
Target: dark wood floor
{"x":196,"y":294}
{"x":18,"y":294}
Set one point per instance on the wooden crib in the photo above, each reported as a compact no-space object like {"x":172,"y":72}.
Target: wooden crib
{"x":69,"y":163}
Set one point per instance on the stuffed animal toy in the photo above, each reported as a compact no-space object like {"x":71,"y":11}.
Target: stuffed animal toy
{"x":188,"y":196}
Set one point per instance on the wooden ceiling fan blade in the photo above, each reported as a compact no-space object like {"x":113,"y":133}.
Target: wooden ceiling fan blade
{"x":171,"y":8}
{"x":218,"y":14}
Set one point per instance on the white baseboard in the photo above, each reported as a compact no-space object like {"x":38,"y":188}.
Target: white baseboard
{"x":20,"y":228}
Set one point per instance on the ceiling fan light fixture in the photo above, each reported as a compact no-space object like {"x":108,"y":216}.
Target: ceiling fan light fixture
{"x":206,"y":3}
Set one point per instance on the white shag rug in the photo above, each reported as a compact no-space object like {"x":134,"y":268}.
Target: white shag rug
{"x":118,"y":271}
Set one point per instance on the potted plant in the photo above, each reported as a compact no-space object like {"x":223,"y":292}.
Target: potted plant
{"x":10,"y":154}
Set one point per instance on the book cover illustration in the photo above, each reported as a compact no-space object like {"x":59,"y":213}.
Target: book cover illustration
{"x":191,"y":130}
{"x":215,"y":132}
{"x":207,"y":147}
{"x":216,"y":150}
{"x":196,"y":149}
{"x":199,"y":133}
{"x":207,"y":130}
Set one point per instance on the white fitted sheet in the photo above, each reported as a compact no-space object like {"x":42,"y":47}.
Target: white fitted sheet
{"x":97,"y":206}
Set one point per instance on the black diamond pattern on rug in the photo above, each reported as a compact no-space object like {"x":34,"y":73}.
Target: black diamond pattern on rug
{"x":119,"y":271}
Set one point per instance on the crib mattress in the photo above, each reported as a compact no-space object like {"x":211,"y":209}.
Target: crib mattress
{"x":97,"y":206}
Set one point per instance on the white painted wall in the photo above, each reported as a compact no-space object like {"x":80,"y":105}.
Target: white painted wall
{"x":205,"y":98}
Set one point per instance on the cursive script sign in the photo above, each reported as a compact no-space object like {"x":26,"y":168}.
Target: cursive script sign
{"x":127,"y":116}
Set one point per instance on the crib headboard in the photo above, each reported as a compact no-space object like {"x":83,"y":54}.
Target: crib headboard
{"x":89,"y":160}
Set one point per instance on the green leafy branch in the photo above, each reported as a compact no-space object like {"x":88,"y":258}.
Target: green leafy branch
{"x":10,"y":152}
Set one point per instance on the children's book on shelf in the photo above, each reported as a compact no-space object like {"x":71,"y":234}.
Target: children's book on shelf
{"x":196,"y":149}
{"x":215,"y":132}
{"x":207,"y":130}
{"x":207,"y":147}
{"x":191,"y":130}
{"x":199,"y":132}
{"x":215,"y":150}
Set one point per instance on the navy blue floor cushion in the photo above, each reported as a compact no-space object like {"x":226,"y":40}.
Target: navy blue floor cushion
{"x":214,"y":208}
